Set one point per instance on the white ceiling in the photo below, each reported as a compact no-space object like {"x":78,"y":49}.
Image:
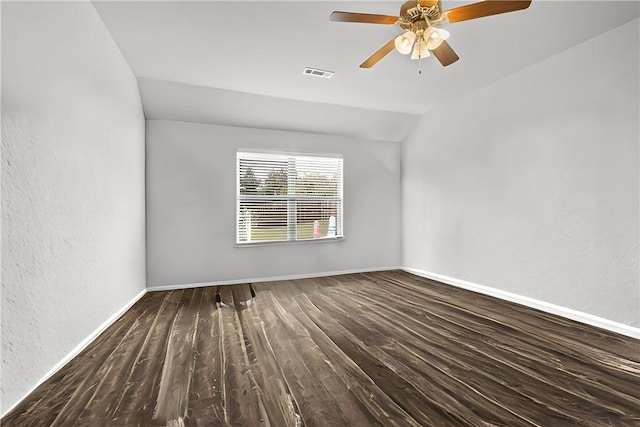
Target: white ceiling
{"x":192,"y":58}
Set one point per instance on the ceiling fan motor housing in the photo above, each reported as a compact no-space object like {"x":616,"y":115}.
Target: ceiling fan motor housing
{"x":412,"y":11}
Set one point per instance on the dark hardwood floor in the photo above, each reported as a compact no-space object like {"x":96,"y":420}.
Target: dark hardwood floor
{"x":384,"y":349}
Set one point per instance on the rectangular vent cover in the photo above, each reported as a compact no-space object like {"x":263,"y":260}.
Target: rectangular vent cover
{"x":318,"y":73}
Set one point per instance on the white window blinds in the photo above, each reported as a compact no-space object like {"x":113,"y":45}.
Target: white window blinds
{"x":288,"y":197}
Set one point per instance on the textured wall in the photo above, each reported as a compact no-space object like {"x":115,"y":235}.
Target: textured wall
{"x":530,"y":185}
{"x":73,"y":244}
{"x":191,"y":205}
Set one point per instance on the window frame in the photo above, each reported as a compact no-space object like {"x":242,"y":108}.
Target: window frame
{"x":291,"y":198}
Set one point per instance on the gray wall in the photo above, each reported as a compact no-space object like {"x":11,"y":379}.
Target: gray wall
{"x":191,"y":205}
{"x":73,"y":249}
{"x":530,"y":185}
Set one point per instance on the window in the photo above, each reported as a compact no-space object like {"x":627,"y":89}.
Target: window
{"x":288,"y":197}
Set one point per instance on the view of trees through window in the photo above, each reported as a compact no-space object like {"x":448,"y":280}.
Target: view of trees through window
{"x":288,"y":198}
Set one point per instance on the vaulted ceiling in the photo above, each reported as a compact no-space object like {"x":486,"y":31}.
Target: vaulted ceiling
{"x":241,"y":63}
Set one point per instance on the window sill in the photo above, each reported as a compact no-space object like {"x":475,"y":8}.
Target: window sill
{"x":290,"y":242}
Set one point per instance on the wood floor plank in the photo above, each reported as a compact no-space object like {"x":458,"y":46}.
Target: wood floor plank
{"x":567,"y":374}
{"x":243,"y":400}
{"x":80,"y":399}
{"x":370,"y":349}
{"x":108,"y":382}
{"x":87,"y":376}
{"x":206,"y":405}
{"x":177,"y":370}
{"x":420,"y":361}
{"x":47,"y":401}
{"x":567,"y":330}
{"x":401,"y":388}
{"x":134,"y":403}
{"x":363,"y":394}
{"x":431,"y":366}
{"x":304,"y":366}
{"x":280,"y":406}
{"x":324,"y":367}
{"x":580,"y":400}
{"x":536,"y":330}
{"x":342,"y":352}
{"x":571,"y":358}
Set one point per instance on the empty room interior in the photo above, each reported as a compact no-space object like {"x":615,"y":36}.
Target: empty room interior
{"x":320,"y":213}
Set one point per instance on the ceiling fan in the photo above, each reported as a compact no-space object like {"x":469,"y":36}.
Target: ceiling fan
{"x":421,"y":20}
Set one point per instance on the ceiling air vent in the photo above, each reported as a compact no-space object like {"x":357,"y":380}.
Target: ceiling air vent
{"x":318,"y":73}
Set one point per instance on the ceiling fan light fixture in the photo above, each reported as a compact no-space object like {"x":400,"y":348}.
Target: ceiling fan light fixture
{"x":430,"y":33}
{"x":420,"y":50}
{"x":435,"y":37}
{"x":404,"y":42}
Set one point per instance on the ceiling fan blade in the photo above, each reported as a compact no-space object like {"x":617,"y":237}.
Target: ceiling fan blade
{"x":365,"y":18}
{"x":379,"y":54}
{"x":485,"y":8}
{"x":445,"y":54}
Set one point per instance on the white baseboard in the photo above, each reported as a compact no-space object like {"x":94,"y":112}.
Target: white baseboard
{"x":268,"y":279}
{"x":73,"y":353}
{"x":568,"y":313}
